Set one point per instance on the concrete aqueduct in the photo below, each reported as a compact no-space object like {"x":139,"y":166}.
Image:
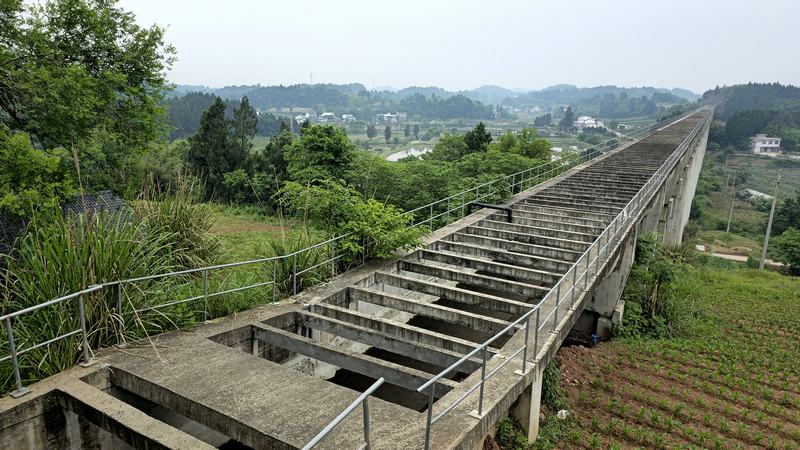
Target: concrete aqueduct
{"x":273,"y":377}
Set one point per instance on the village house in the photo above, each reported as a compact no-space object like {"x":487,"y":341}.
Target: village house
{"x":761,"y":144}
{"x":587,"y":122}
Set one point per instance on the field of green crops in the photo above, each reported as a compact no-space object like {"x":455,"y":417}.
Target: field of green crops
{"x":733,"y":384}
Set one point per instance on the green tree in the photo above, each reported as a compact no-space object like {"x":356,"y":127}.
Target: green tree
{"x":83,"y":74}
{"x":450,"y":147}
{"x":786,"y":248}
{"x":29,"y":178}
{"x":543,"y":121}
{"x":321,"y":152}
{"x":569,"y":117}
{"x":407,"y":130}
{"x":477,"y":139}
{"x":787,"y":215}
{"x":532,"y":146}
{"x":387,"y":133}
{"x":212,"y":151}
{"x":371,"y":131}
{"x":244,"y":125}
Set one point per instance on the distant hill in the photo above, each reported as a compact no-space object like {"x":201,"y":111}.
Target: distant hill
{"x":567,"y":94}
{"x":752,"y":108}
{"x":426,"y":91}
{"x":490,"y":94}
{"x":752,"y":96}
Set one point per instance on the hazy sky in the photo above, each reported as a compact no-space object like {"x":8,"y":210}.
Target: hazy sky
{"x":695,"y":44}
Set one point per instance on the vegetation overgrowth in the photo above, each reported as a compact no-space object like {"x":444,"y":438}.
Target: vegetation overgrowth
{"x":728,"y":381}
{"x":732,"y":384}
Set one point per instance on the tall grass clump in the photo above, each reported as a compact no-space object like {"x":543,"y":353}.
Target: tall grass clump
{"x":176,"y":215}
{"x":65,"y":254}
{"x":312,"y":261}
{"x":61,"y":254}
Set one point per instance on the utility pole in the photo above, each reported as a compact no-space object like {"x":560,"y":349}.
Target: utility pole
{"x":727,"y":179}
{"x":769,"y":223}
{"x":733,"y":201}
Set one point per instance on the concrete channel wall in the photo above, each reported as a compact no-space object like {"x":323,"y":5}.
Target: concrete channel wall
{"x":272,"y":377}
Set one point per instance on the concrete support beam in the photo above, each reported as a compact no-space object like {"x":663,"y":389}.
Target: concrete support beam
{"x":546,"y":241}
{"x":400,"y":329}
{"x":455,"y":294}
{"x":366,"y":365}
{"x":540,"y":222}
{"x":531,"y":276}
{"x":425,"y":309}
{"x":539,"y":251}
{"x":504,"y":256}
{"x":564,"y":211}
{"x":474,"y":279}
{"x":417,"y":350}
{"x":589,"y":224}
{"x":537,"y":231}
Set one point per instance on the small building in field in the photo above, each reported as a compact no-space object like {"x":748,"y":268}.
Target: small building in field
{"x":327,"y":117}
{"x":347,"y":118}
{"x":761,"y":144}
{"x":583,"y":122}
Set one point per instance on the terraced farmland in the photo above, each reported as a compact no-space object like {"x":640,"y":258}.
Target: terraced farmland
{"x":734,"y":384}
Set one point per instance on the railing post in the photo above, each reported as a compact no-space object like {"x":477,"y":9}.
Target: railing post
{"x":483,"y":382}
{"x":366,"y":423}
{"x":574,"y":284}
{"x":586,"y":271}
{"x":430,"y":220}
{"x":205,"y":294}
{"x":364,"y":251}
{"x":87,"y":358}
{"x":463,"y":204}
{"x":120,"y":337}
{"x":536,"y":334}
{"x":274,"y":280}
{"x":430,"y":417}
{"x":597,"y":259}
{"x":332,"y":255}
{"x":21,"y":390}
{"x":525,"y":347}
{"x":558,"y":303}
{"x":294,"y":272}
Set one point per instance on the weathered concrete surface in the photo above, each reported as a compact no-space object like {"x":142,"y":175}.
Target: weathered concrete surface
{"x":259,"y":377}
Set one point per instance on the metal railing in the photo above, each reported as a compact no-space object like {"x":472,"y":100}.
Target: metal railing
{"x":361,"y":400}
{"x":14,"y":353}
{"x":440,"y":212}
{"x":562,"y":294}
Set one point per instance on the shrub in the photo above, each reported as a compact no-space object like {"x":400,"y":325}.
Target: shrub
{"x":660,"y":293}
{"x":376,"y":229}
{"x":510,"y":436}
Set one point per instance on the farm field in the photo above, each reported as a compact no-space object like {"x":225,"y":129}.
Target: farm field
{"x":735,"y":383}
